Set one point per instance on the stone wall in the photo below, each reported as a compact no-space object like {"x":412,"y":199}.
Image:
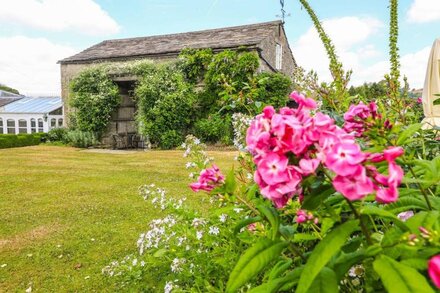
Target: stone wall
{"x":268,"y":51}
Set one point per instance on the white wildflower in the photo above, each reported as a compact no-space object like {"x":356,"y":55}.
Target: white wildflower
{"x":356,"y":271}
{"x":223,"y":218}
{"x":213,"y":230}
{"x":198,"y":222}
{"x":199,"y":235}
{"x":176,"y":265}
{"x":197,"y":141}
{"x":180,"y":240}
{"x":238,"y":210}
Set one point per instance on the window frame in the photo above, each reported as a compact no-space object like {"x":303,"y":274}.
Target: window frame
{"x":40,"y":127}
{"x":278,"y":56}
{"x":22,"y":128}
{"x":33,"y":125}
{"x":8,"y":127}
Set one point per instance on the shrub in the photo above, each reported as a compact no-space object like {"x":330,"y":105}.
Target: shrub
{"x":21,"y":140}
{"x":57,"y":134}
{"x":81,"y":139}
{"x":273,"y":89}
{"x":213,"y":129}
{"x":170,"y":139}
{"x":94,"y":98}
{"x":165,"y":103}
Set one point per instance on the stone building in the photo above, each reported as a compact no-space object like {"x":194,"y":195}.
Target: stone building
{"x":267,"y":39}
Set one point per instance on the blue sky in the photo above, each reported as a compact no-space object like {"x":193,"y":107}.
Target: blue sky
{"x":34,"y":34}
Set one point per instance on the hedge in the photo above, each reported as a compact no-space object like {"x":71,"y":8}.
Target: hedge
{"x":20,"y":140}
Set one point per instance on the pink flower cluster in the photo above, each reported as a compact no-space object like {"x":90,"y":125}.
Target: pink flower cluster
{"x":303,"y":216}
{"x":292,"y":144}
{"x":208,"y":179}
{"x":356,"y":116}
{"x":434,"y":270}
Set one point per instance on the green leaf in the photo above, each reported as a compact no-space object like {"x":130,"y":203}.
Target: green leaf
{"x":325,"y":282}
{"x":317,"y":196}
{"x":407,"y":133}
{"x":272,"y":217}
{"x":323,"y":252}
{"x":280,"y":268}
{"x":300,"y":237}
{"x":230,"y":183}
{"x":419,"y":264}
{"x":376,"y":211}
{"x":345,"y":261}
{"x":161,"y":252}
{"x":245,"y":223}
{"x":279,"y":284}
{"x":399,"y":278}
{"x":407,"y":203}
{"x":423,"y":219}
{"x":253,"y":261}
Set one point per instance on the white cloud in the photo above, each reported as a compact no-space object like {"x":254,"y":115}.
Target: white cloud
{"x":413,"y":66}
{"x":347,"y":33}
{"x":29,"y":64}
{"x":83,"y":16}
{"x":424,"y":11}
{"x":351,"y":36}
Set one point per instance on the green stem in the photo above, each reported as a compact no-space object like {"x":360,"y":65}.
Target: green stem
{"x":424,"y":193}
{"x":358,"y":216}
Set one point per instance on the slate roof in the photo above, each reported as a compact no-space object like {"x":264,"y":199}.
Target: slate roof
{"x":39,"y":105}
{"x":222,"y":38}
{"x":7,"y":97}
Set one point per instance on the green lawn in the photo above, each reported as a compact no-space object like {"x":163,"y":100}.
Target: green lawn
{"x":66,"y":213}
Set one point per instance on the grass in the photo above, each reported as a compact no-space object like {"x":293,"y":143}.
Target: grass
{"x":66,"y":213}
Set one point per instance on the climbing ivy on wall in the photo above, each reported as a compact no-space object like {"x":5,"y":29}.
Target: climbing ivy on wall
{"x":94,"y":98}
{"x":173,"y":99}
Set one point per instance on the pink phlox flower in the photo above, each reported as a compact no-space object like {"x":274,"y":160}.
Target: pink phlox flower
{"x":308,"y":166}
{"x":419,"y":100}
{"x":387,"y":195}
{"x":354,"y":187}
{"x":361,"y":111}
{"x":287,"y":111}
{"x":376,"y":157}
{"x":395,"y":174}
{"x":303,"y":216}
{"x":268,"y":112}
{"x":434,"y":270}
{"x":258,"y":136}
{"x":208,"y":179}
{"x":391,"y":153}
{"x":273,"y":168}
{"x":345,"y":158}
{"x":302,"y":101}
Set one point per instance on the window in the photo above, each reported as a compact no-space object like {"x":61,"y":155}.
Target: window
{"x":40,"y":125}
{"x":53,"y":123}
{"x":278,"y":56}
{"x":11,"y":126}
{"x":1,"y":126}
{"x":22,"y":126}
{"x":33,"y":125}
{"x":60,"y":122}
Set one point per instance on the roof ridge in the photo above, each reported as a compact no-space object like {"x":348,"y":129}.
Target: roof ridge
{"x":273,"y":22}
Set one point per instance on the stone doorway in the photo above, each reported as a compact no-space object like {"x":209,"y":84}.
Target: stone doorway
{"x":122,"y":126}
